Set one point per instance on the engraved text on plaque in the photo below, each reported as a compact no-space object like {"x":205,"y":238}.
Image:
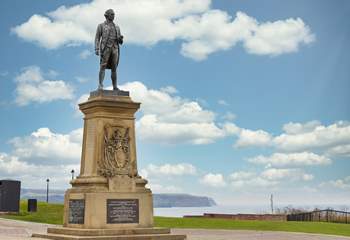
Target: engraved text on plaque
{"x":122,"y":210}
{"x":76,"y":211}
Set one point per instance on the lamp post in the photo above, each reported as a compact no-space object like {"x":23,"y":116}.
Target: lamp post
{"x":271,"y":200}
{"x":72,"y":172}
{"x":47,"y":190}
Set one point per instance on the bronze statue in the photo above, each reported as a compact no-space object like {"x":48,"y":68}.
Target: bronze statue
{"x":107,"y":42}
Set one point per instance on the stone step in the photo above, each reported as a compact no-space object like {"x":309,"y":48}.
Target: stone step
{"x":106,"y":232}
{"x":115,"y":237}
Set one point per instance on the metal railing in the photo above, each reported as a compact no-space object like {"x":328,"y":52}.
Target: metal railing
{"x":327,"y":215}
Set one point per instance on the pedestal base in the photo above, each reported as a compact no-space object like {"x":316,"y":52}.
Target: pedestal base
{"x":110,"y":210}
{"x":118,"y":203}
{"x":109,"y":234}
{"x":109,"y":199}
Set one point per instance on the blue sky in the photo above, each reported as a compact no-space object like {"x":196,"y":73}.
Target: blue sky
{"x":240,"y":99}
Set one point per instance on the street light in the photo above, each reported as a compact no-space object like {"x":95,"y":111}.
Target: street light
{"x":47,"y":190}
{"x":271,"y":201}
{"x":72,"y":172}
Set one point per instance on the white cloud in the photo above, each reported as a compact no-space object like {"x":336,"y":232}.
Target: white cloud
{"x":320,"y":137}
{"x":229,"y":116}
{"x":10,"y":165}
{"x":256,"y":183}
{"x":338,"y":183}
{"x":75,"y":105}
{"x":312,"y":136}
{"x":35,"y":175}
{"x":291,"y":159}
{"x":341,"y":150}
{"x":231,"y":128}
{"x":155,"y":173}
{"x":169,"y":89}
{"x":283,"y":36}
{"x":51,"y":34}
{"x":150,"y":128}
{"x":159,"y":188}
{"x":270,"y":177}
{"x":77,"y":24}
{"x":169,"y":108}
{"x":147,"y":22}
{"x":274,"y":38}
{"x":169,"y":170}
{"x":297,"y":128}
{"x":248,"y":137}
{"x":171,"y":119}
{"x":81,"y":79}
{"x":48,"y":148}
{"x":213,"y":180}
{"x":290,"y":174}
{"x":245,"y":179}
{"x":32,"y":87}
{"x":223,"y":102}
{"x":241,"y":175}
{"x":41,"y":155}
{"x":52,"y":73}
{"x":82,"y":98}
{"x":85,"y":54}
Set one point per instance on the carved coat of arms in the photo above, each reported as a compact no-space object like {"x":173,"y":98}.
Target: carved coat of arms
{"x":116,"y":152}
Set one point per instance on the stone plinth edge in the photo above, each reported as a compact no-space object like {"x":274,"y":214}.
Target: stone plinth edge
{"x":101,"y":92}
{"x":63,"y":233}
{"x":107,"y":232}
{"x":109,"y":103}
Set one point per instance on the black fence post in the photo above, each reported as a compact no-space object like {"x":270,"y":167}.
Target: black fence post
{"x":319,"y":216}
{"x":345,"y":217}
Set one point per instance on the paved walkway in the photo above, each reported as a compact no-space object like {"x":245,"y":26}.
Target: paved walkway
{"x":20,"y":230}
{"x":196,"y":234}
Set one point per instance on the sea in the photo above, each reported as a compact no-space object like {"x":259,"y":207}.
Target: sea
{"x":182,"y":211}
{"x":194,"y":211}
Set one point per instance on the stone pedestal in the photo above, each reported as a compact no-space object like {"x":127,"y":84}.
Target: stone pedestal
{"x":108,"y":200}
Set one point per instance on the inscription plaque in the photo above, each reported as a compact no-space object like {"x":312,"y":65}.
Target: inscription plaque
{"x":122,"y":210}
{"x":76,"y":211}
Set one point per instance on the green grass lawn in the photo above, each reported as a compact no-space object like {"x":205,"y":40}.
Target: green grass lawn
{"x":307,"y":227}
{"x":47,"y":213}
{"x":53,"y":213}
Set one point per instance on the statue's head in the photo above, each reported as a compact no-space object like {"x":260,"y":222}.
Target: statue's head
{"x":109,"y":14}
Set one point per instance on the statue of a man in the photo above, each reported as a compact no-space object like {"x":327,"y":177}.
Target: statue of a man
{"x":107,"y":42}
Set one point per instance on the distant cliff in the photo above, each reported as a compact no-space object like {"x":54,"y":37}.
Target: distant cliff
{"x":181,"y":200}
{"x":159,"y":200}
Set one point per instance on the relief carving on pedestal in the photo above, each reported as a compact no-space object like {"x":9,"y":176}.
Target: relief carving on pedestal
{"x":115,"y":159}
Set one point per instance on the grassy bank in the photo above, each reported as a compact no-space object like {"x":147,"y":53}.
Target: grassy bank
{"x":53,"y":213}
{"x":306,"y":227}
{"x":47,"y":213}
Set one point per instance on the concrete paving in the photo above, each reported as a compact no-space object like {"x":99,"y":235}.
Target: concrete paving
{"x":203,"y":234}
{"x":20,"y":230}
